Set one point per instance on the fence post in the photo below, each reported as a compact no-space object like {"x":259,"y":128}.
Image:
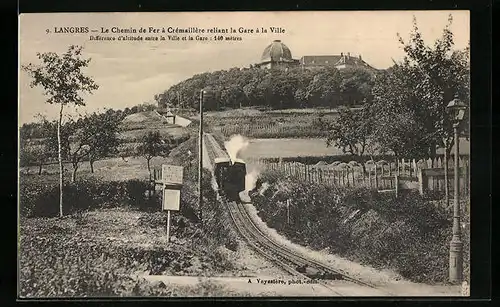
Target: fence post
{"x":396,"y":183}
{"x":369,"y":178}
{"x":376,"y":179}
{"x":420,"y":176}
{"x":466,"y":179}
{"x":382,"y":176}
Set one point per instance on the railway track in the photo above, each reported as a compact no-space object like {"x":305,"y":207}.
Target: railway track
{"x":306,"y":270}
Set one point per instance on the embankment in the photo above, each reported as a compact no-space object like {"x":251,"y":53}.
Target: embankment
{"x":407,"y":235}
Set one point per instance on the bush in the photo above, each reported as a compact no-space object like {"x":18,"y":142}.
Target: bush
{"x":38,"y":199}
{"x":73,"y":265}
{"x":408,"y":233}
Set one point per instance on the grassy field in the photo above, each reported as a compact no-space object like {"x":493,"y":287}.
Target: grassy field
{"x":275,"y":148}
{"x":136,"y":125}
{"x":112,"y":169}
{"x":270,"y":125}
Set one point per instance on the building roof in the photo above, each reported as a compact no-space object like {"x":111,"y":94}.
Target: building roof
{"x":276,"y":51}
{"x":319,"y":60}
{"x":334,"y":60}
{"x":353,"y":61}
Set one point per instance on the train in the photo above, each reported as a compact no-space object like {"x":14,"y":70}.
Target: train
{"x":230,"y":177}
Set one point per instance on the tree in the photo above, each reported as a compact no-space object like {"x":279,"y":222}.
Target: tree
{"x":437,"y":74}
{"x":396,"y":127}
{"x":39,"y":152}
{"x":101,"y":131}
{"x":34,"y":155}
{"x":93,"y":137}
{"x":356,"y":86}
{"x":324,"y":88}
{"x":351,"y":131}
{"x":153,"y":145}
{"x":421,"y":86}
{"x":62,"y":79}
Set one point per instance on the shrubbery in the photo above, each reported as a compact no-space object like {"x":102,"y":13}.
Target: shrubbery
{"x":59,"y":264}
{"x":407,"y":234}
{"x":38,"y":199}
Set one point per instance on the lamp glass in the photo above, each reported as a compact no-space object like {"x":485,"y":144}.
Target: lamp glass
{"x":461,"y":113}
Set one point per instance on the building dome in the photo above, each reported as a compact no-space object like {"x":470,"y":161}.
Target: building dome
{"x":276,"y":51}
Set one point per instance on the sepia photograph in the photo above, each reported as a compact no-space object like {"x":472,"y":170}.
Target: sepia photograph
{"x":244,"y":154}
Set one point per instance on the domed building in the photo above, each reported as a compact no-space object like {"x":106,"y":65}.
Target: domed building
{"x":277,"y":55}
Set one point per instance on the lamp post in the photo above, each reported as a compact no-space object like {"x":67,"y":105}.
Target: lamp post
{"x":457,"y":110}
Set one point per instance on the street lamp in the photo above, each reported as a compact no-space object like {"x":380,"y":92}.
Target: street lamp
{"x":456,"y":109}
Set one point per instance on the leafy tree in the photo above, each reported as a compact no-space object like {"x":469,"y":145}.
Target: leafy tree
{"x":422,"y":86}
{"x":153,"y":145}
{"x":93,"y":137}
{"x":356,"y":85}
{"x":396,"y":128}
{"x":35,"y":155}
{"x":351,"y":131}
{"x":324,"y":88}
{"x":434,"y":75}
{"x":62,"y":79}
{"x":288,"y":88}
{"x":101,"y":132}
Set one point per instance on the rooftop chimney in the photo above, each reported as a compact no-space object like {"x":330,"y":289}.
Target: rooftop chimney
{"x":341,"y":54}
{"x":360,"y":57}
{"x":348,"y":55}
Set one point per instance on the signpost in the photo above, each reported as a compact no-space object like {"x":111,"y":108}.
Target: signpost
{"x":172,"y":178}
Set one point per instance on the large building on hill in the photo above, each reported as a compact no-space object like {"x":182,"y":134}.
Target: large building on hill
{"x":278,"y":55}
{"x":341,"y":61}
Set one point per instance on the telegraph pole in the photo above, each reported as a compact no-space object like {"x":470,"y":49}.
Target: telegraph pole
{"x":200,"y":158}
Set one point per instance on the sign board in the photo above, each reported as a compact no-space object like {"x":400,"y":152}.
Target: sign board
{"x":171,"y":199}
{"x":171,"y":174}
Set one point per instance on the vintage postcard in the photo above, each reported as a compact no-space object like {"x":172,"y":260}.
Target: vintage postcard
{"x":242,"y":154}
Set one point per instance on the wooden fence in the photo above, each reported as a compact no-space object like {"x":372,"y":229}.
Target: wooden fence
{"x":423,"y":175}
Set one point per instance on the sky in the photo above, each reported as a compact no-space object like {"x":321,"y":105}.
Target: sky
{"x":130,"y":73}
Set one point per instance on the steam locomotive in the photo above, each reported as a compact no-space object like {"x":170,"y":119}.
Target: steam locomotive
{"x":230,"y":177}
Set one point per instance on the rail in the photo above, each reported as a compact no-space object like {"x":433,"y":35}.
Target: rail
{"x":286,"y":258}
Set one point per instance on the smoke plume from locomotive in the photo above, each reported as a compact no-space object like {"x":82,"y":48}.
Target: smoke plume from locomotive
{"x":235,"y":145}
{"x":251,"y":180}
